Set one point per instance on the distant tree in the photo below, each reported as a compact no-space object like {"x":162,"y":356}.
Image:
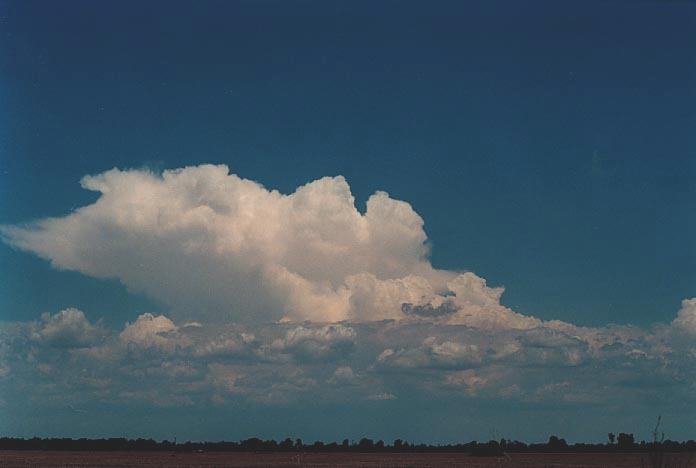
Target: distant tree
{"x":331,"y":447}
{"x":286,"y":444}
{"x":556,"y":444}
{"x":254,"y":444}
{"x":659,"y":452}
{"x":612,"y":438}
{"x":366,"y":444}
{"x":625,"y":441}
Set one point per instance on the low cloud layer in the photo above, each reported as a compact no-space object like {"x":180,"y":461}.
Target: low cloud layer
{"x":156,"y":361}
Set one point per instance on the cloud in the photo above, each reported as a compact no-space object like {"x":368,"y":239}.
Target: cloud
{"x":156,"y":361}
{"x":321,"y":343}
{"x":68,"y":328}
{"x":433,"y":354}
{"x":150,"y":331}
{"x":686,"y":318}
{"x":216,"y":247}
{"x":428,"y":310}
{"x":275,"y":298}
{"x":468,"y":379}
{"x":343,"y":375}
{"x":224,"y":377}
{"x":227,"y":344}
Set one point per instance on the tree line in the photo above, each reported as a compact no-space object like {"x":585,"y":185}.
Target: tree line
{"x":621,"y":443}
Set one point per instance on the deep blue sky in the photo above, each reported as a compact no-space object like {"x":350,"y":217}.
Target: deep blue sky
{"x":549,"y":146}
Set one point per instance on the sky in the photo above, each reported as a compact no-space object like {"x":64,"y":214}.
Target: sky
{"x":438,"y":222}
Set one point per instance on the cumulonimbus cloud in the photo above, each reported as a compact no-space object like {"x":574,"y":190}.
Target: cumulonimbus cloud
{"x":217,"y":247}
{"x":239,"y":266}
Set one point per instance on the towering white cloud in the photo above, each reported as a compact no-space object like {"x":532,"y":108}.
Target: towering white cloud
{"x":214,"y":246}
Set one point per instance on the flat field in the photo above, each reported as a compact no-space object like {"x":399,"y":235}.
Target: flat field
{"x":364,"y":460}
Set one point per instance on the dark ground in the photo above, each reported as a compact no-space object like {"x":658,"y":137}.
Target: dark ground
{"x":365,"y":460}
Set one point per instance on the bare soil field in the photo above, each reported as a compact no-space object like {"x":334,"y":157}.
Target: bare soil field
{"x":365,"y":460}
